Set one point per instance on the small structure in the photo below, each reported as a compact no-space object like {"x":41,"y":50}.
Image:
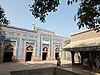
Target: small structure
{"x":87,"y":45}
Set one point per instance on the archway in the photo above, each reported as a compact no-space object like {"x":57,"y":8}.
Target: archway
{"x":8,"y":53}
{"x":29,"y":52}
{"x":44,"y":53}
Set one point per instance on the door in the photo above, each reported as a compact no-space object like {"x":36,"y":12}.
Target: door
{"x":44,"y":56}
{"x":8,"y":56}
{"x":28,"y":56}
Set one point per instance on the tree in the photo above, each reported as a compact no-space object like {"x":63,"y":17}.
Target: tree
{"x":88,"y":14}
{"x":3,"y":19}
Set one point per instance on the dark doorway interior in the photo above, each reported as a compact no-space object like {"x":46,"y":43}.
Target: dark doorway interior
{"x":7,"y":56}
{"x":56,"y":55}
{"x":44,"y":56}
{"x":28,"y":56}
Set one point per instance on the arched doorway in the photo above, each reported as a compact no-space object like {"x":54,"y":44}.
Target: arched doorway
{"x":56,"y":52}
{"x":44,"y":53}
{"x":29,"y":52}
{"x":9,"y":53}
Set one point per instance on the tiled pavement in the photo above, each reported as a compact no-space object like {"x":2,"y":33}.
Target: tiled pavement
{"x":5,"y":68}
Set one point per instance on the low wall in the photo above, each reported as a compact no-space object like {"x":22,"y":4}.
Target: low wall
{"x":59,"y":71}
{"x":44,"y":71}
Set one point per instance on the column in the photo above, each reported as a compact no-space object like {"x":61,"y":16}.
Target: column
{"x":81,"y":53}
{"x":72,"y":54}
{"x":48,"y":54}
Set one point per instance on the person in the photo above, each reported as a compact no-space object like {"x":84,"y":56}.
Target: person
{"x":58,"y":61}
{"x":97,"y":62}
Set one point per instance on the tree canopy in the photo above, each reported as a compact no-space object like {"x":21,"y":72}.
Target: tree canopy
{"x":3,"y":18}
{"x":88,"y":14}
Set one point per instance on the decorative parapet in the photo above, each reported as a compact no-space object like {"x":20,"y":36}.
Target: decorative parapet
{"x":42,"y":29}
{"x":13,"y":27}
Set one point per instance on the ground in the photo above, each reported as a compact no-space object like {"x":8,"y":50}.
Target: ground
{"x":5,"y":68}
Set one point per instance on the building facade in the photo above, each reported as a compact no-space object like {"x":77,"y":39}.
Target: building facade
{"x":21,"y":45}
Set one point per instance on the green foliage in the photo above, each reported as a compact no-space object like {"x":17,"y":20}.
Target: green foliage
{"x":3,"y":19}
{"x":40,"y":8}
{"x":88,"y":14}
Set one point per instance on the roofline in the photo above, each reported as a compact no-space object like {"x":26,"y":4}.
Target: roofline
{"x":24,"y":29}
{"x":60,"y":36}
{"x":39,"y":28}
{"x":81,"y":32}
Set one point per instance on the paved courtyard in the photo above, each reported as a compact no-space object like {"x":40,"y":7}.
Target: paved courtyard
{"x":5,"y":68}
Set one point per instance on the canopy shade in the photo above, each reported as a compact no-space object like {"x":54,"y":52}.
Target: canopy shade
{"x":93,"y":42}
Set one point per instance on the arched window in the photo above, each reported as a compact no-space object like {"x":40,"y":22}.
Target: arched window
{"x":9,"y":47}
{"x":57,"y":49}
{"x":30,"y":48}
{"x":45,"y":49}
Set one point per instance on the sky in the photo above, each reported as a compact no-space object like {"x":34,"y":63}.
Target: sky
{"x":61,"y":22}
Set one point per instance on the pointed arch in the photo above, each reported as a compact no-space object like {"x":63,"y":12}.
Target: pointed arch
{"x":45,"y":48}
{"x":9,"y":47}
{"x":29,"y":47}
{"x":57,"y":49}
